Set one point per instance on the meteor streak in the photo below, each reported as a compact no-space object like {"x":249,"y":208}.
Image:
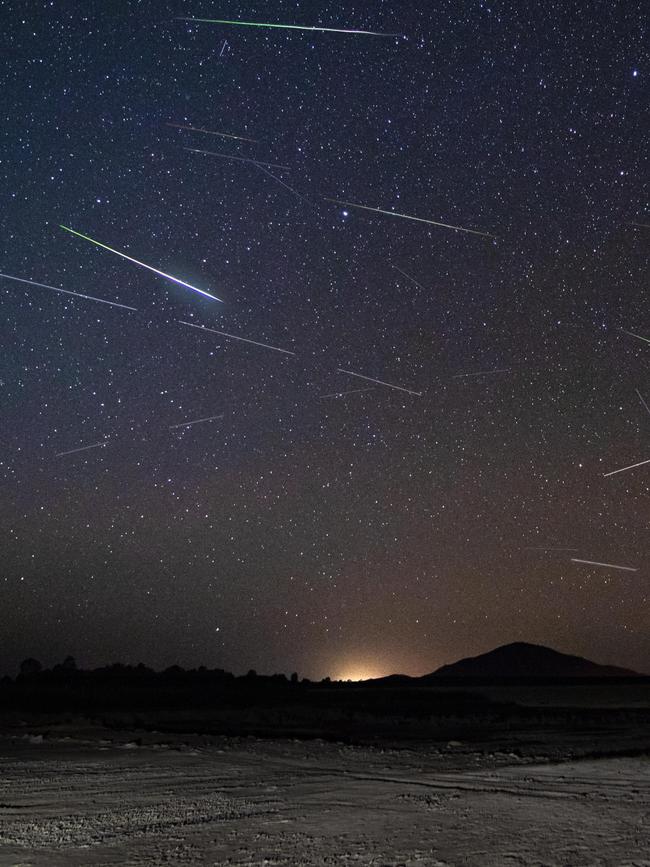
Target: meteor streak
{"x":408,"y":217}
{"x":67,"y":292}
{"x":211,"y":132}
{"x":284,"y":26}
{"x":380,"y":382}
{"x":235,"y":337}
{"x":547,"y":548}
{"x":482,"y":372}
{"x":238,"y":159}
{"x":632,"y":334}
{"x":640,"y":225}
{"x":344,"y":393}
{"x":623,"y":469}
{"x":643,"y":401}
{"x":82,"y":449}
{"x":142,"y":264}
{"x":196,"y":421}
{"x":408,"y":277}
{"x":286,"y":186}
{"x":604,"y":565}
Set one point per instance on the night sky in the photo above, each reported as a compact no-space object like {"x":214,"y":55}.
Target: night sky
{"x":350,"y":535}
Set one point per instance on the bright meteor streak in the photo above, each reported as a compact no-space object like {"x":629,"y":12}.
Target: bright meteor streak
{"x":67,"y":292}
{"x":238,"y":159}
{"x":284,"y":26}
{"x":641,"y":398}
{"x":196,"y":421}
{"x":82,"y":449}
{"x":380,"y":382}
{"x":623,"y":469}
{"x":604,"y":565}
{"x":408,"y":217}
{"x":142,"y":264}
{"x":235,"y":337}
{"x":632,"y":334}
{"x":211,"y":132}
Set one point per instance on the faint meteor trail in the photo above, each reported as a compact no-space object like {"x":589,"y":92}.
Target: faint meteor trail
{"x":344,"y":393}
{"x":632,"y":334}
{"x":483,"y":372}
{"x":643,"y":401}
{"x":547,"y":548}
{"x":623,"y":469}
{"x":380,"y":382}
{"x":223,"y":47}
{"x":142,"y":264}
{"x":212,"y":132}
{"x":280,"y":181}
{"x":412,"y":279}
{"x":640,"y":225}
{"x":408,"y":217}
{"x":284,"y":26}
{"x":235,"y":337}
{"x":81,"y":449}
{"x":196,"y":421}
{"x":604,"y":565}
{"x":68,"y":292}
{"x":238,"y":159}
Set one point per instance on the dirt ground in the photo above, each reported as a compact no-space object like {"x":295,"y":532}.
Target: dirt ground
{"x":207,"y":801}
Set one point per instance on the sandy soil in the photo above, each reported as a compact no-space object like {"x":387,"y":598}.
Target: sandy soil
{"x":249,"y":802}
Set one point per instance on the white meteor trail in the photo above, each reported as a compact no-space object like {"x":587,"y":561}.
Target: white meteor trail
{"x":68,"y":292}
{"x":142,"y":264}
{"x":345,"y":393}
{"x":380,"y":382}
{"x":604,"y":565}
{"x":82,"y":449}
{"x":632,"y":334}
{"x":408,"y":277}
{"x":623,"y":469}
{"x":643,"y":401}
{"x":640,"y":225}
{"x":284,"y":26}
{"x":235,"y":337}
{"x":196,"y":421}
{"x":286,"y":186}
{"x":408,"y":217}
{"x":212,"y":132}
{"x":482,"y":372}
{"x":238,"y":159}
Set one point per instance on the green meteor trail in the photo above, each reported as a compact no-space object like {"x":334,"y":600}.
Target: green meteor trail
{"x":284,"y":26}
{"x":142,"y":264}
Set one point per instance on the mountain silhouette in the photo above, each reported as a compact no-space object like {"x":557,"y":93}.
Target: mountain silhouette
{"x":521,"y":659}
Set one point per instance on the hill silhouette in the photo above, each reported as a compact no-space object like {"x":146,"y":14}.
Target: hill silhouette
{"x":524,"y":660}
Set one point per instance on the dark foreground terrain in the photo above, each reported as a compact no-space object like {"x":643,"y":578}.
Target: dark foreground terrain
{"x":200,"y":801}
{"x":487,"y":774}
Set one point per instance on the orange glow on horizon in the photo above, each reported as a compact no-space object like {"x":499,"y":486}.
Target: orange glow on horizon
{"x":360,"y":671}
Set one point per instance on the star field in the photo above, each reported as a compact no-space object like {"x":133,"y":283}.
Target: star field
{"x":319,"y":521}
